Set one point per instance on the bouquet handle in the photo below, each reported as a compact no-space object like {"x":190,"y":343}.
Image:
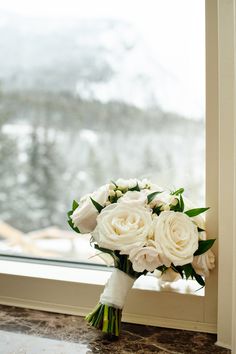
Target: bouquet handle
{"x":108,"y":312}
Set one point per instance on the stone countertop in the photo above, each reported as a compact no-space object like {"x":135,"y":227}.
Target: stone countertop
{"x":25,"y":331}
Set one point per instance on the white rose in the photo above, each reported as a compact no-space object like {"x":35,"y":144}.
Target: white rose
{"x":177,"y":236}
{"x":123,"y":226}
{"x":199,"y":221}
{"x":134,"y":197}
{"x":121,"y":183}
{"x":202,"y":235}
{"x":85,"y":216}
{"x":145,"y":258}
{"x":132,"y":182}
{"x":126,"y":183}
{"x":204,"y":263}
{"x":169,"y":275}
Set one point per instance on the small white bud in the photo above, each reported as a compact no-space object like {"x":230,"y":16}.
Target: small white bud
{"x":152,"y":204}
{"x":155,"y":203}
{"x":174,"y":201}
{"x":112,"y":193}
{"x":165,"y":207}
{"x":132,"y":183}
{"x":119,"y":193}
{"x":112,"y":186}
{"x":145,"y":184}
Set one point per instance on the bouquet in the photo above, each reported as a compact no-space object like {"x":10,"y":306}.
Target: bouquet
{"x":144,"y":229}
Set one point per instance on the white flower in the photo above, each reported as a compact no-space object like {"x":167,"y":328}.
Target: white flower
{"x":119,"y":193}
{"x":126,"y":183}
{"x":134,"y":197}
{"x":121,"y":183}
{"x":204,"y":263}
{"x":199,"y":221}
{"x":169,"y":275}
{"x":202,"y":235}
{"x":145,"y":183}
{"x":145,"y":258}
{"x":177,"y":236}
{"x":165,"y":207}
{"x":85,"y":216}
{"x":112,"y":193}
{"x":112,"y":186}
{"x":132,"y":182}
{"x":155,"y":188}
{"x":123,"y":226}
{"x":174,"y":201}
{"x":161,"y":199}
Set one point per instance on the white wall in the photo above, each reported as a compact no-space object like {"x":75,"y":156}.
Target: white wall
{"x":227,"y":182}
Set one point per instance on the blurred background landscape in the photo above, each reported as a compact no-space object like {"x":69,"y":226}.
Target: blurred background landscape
{"x":85,"y":100}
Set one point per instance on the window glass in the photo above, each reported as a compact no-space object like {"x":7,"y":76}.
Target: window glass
{"x":91,"y":91}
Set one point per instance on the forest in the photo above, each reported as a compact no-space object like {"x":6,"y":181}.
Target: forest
{"x":55,"y":146}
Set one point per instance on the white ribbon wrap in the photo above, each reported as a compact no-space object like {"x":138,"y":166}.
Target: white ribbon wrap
{"x":116,"y":289}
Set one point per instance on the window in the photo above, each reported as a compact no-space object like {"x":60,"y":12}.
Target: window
{"x":76,"y":290}
{"x":92,"y":92}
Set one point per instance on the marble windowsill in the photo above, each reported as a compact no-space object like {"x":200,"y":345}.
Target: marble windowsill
{"x":24,"y":331}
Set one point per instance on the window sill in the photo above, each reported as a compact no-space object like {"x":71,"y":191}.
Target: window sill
{"x":76,"y":291}
{"x":93,"y":277}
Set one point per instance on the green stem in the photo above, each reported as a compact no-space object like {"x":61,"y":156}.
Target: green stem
{"x":99,"y":317}
{"x":105,"y":319}
{"x":91,"y":314}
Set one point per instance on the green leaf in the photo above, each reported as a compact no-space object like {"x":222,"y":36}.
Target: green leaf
{"x":135,"y":188}
{"x":98,"y":206}
{"x":72,"y":226}
{"x":200,"y":230}
{"x":75,"y":205}
{"x":114,"y":184}
{"x":188,"y":270}
{"x":69,"y":213}
{"x":195,"y":212}
{"x":181,"y":203}
{"x":157,"y":210}
{"x":199,"y":279}
{"x":178,"y":191}
{"x":179,"y":207}
{"x":204,"y":246}
{"x":151,"y":196}
{"x":175,"y":207}
{"x":162,"y":268}
{"x":113,"y":199}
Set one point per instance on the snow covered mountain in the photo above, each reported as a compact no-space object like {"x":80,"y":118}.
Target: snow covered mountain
{"x":94,"y":59}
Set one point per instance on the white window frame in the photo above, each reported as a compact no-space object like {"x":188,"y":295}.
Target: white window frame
{"x":43,"y":287}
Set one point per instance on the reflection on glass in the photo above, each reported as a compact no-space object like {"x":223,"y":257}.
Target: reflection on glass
{"x":89,"y":92}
